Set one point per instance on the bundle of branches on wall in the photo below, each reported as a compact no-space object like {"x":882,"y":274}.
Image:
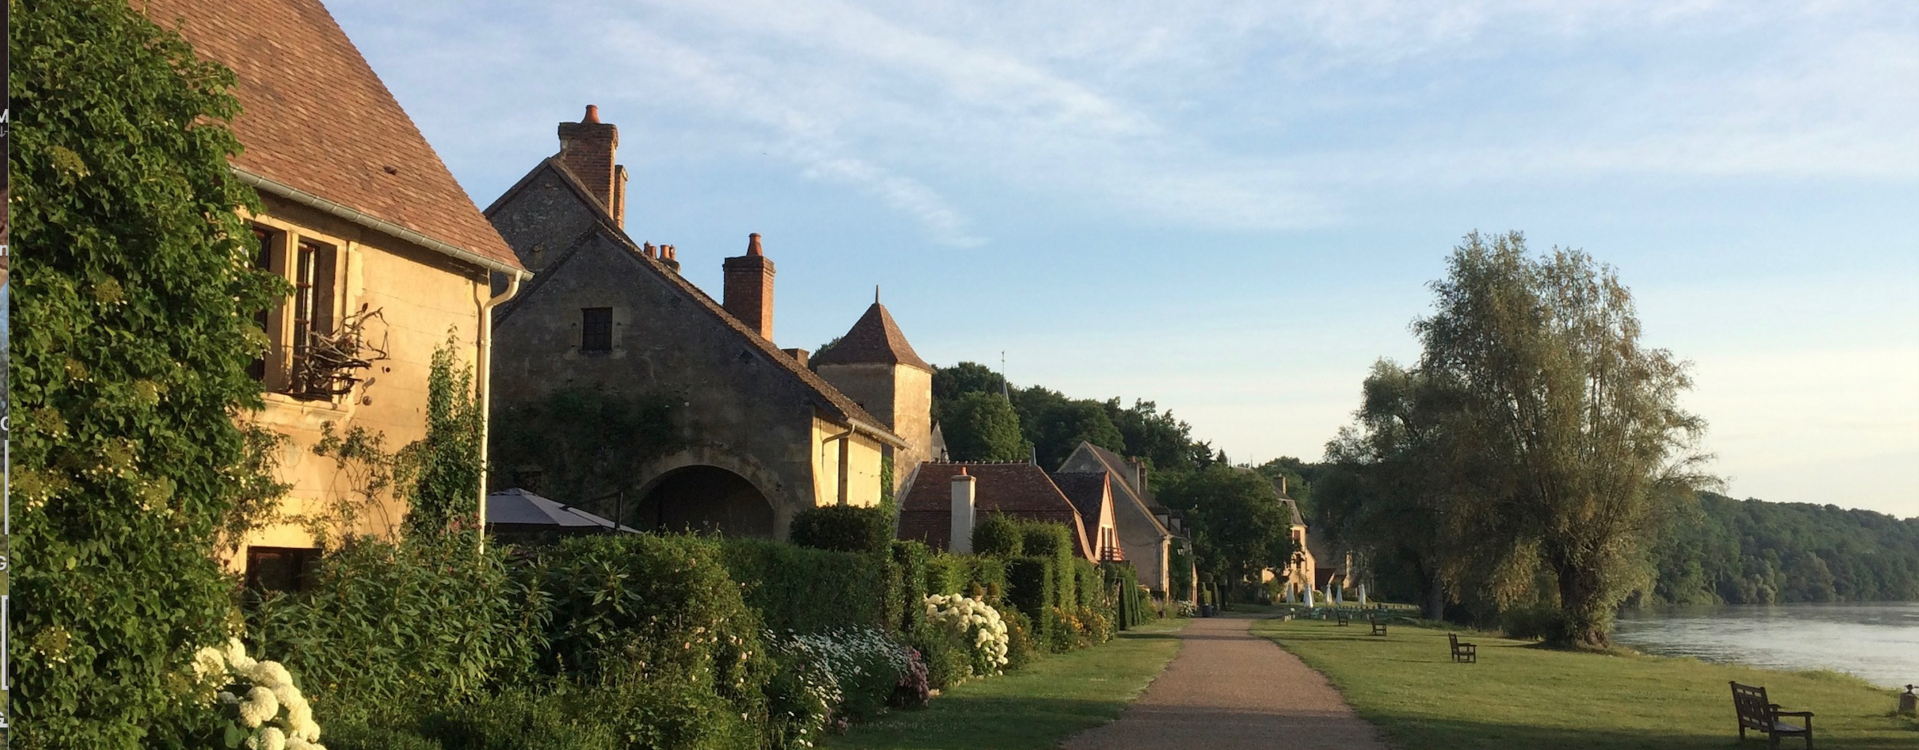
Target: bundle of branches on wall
{"x":329,"y":366}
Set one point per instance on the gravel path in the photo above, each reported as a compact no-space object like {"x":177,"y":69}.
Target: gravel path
{"x":1230,"y":689}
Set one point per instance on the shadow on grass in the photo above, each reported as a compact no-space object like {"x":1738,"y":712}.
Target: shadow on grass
{"x":1433,"y":734}
{"x":966,"y":722}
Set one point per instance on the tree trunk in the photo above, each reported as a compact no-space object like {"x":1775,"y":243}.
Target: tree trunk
{"x":1435,"y":598}
{"x":1583,"y":623}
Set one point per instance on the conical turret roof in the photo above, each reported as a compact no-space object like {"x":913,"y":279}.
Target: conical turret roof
{"x":874,"y":339}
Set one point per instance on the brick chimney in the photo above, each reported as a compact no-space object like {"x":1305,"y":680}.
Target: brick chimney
{"x":749,"y":288}
{"x":587,"y":148}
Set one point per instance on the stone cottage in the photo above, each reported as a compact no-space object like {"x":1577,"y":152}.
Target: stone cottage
{"x":764,"y":436}
{"x":945,"y":500}
{"x":388,"y":258}
{"x":1145,"y":528}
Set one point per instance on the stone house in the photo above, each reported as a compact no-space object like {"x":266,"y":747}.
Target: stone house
{"x":1092,"y":495}
{"x":944,"y":501}
{"x":1303,"y":572}
{"x":763,"y":435}
{"x":1145,"y":529}
{"x":875,"y":366}
{"x":388,"y":257}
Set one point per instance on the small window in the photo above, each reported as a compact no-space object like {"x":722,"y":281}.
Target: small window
{"x":596,"y":329}
{"x":312,"y":307}
{"x":263,"y":242}
{"x":280,"y":568}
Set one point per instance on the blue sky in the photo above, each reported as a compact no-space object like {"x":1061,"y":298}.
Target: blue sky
{"x":1233,"y":208}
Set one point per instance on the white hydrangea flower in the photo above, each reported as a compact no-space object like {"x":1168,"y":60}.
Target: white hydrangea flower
{"x":259,"y":707}
{"x":209,"y":662}
{"x":237,"y":656}
{"x":270,"y":674}
{"x":271,"y":738}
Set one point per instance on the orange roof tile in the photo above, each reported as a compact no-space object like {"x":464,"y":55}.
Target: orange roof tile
{"x":317,"y":118}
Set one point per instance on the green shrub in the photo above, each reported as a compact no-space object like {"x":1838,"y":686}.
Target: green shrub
{"x":842,"y":528}
{"x":1043,"y":539}
{"x":909,"y":582}
{"x":811,"y":590}
{"x":639,"y":610}
{"x":946,"y":573}
{"x":1135,"y":605}
{"x":1022,"y":646}
{"x":974,"y":575}
{"x":546,"y":719}
{"x":352,"y":736}
{"x":622,"y":713}
{"x":385,"y":628}
{"x":998,"y":535}
{"x":948,"y":662}
{"x":128,"y":462}
{"x":1031,"y":589}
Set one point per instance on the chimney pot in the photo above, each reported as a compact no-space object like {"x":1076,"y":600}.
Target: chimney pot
{"x":592,"y":113}
{"x":587,"y":150}
{"x":748,"y":290}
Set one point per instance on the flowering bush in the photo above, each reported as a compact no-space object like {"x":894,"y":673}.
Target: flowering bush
{"x":1188,"y":609}
{"x":977,"y":623}
{"x":264,"y":709}
{"x":828,"y":679}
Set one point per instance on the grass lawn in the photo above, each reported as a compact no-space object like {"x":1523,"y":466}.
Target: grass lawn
{"x":1522,"y":696}
{"x":1036,"y":707}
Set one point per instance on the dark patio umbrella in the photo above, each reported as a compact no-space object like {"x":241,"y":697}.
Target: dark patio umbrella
{"x":517,"y":511}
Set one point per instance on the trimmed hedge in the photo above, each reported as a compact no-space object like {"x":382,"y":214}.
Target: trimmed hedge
{"x":910,"y":587}
{"x":948,"y":573}
{"x":1132,"y":607}
{"x":999,"y":535}
{"x":812,"y":590}
{"x":842,"y":528}
{"x":1031,"y":588}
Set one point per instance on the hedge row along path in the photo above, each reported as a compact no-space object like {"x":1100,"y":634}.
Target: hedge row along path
{"x":1231,"y":689}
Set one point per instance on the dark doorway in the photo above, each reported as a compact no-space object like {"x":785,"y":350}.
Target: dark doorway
{"x":704,"y":499}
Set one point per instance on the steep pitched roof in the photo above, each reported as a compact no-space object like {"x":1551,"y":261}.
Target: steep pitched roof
{"x":1016,"y":489}
{"x":875,"y":338}
{"x":1124,"y":482}
{"x":317,"y":118}
{"x":826,"y":396}
{"x":1292,"y":508}
{"x":1087,"y":489}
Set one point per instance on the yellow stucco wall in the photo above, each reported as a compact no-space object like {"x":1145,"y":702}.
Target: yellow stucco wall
{"x":422,"y":295}
{"x":862,"y":460}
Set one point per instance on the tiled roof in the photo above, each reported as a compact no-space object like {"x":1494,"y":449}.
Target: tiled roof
{"x":1123,"y":477}
{"x":1087,"y":490}
{"x":1016,"y":489}
{"x":317,"y":118}
{"x":875,"y":338}
{"x":1292,"y":508}
{"x":827,"y":396}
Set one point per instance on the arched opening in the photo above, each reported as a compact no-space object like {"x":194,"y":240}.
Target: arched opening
{"x":704,"y":499}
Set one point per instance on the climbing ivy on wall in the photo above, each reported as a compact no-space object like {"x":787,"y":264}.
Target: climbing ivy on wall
{"x":581,"y":446}
{"x":445,"y":465}
{"x":129,"y":460}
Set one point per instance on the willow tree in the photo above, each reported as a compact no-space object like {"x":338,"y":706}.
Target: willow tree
{"x":1566,"y":438}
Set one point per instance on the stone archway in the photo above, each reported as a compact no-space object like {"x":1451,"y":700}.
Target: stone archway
{"x":707,"y":490}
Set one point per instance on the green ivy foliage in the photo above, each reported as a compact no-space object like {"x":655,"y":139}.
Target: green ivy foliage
{"x":128,"y":461}
{"x":446,"y":463}
{"x":386,"y":631}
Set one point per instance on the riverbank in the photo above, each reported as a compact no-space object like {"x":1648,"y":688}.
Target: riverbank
{"x":1033,"y":709}
{"x":1522,"y":696}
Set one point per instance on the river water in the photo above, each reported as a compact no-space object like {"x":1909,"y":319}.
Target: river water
{"x":1878,"y":641}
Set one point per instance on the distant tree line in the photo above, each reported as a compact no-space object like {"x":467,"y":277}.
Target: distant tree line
{"x":1755,"y":552}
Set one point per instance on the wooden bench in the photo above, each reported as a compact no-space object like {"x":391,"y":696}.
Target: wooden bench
{"x":1463,"y":652}
{"x":1757,"y":713}
{"x":1343,"y":618}
{"x":1379,"y":625}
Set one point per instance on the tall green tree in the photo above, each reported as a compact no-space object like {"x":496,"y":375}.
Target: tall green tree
{"x":130,"y":384}
{"x":1056,"y":425}
{"x":983,"y":427}
{"x":1237,"y":526}
{"x":1568,"y":427}
{"x":1384,"y":493}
